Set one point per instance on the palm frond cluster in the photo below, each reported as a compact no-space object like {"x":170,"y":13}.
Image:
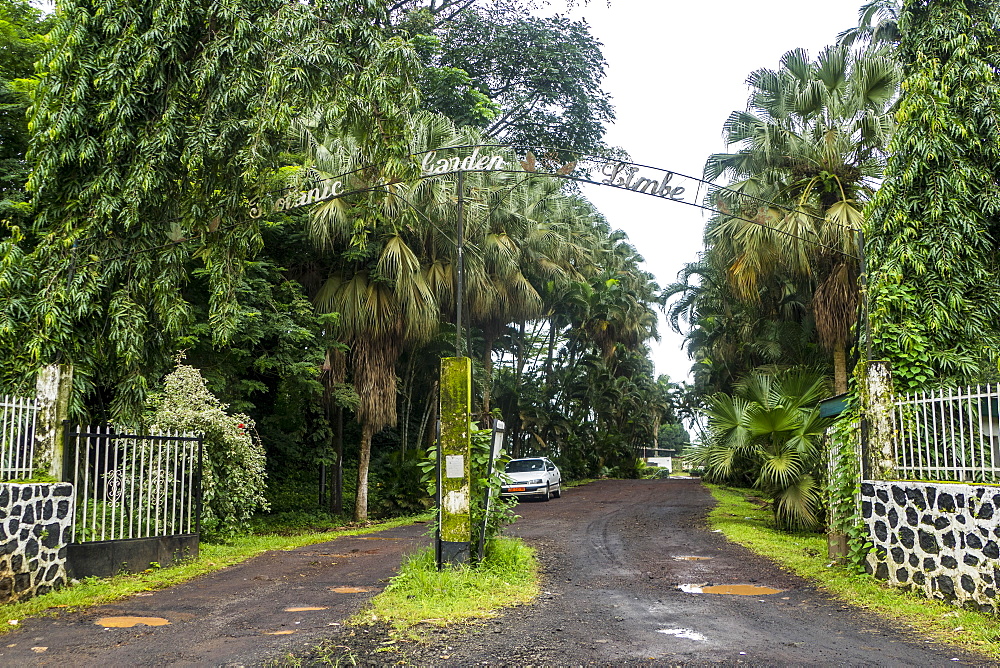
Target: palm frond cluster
{"x":776,"y":288}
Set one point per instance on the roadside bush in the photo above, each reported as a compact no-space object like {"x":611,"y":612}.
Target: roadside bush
{"x":233,"y":474}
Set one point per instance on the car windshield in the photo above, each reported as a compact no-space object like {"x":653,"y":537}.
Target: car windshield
{"x":525,"y":465}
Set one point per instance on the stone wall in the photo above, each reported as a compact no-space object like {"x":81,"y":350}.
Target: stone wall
{"x":940,"y":538}
{"x":35,"y":524}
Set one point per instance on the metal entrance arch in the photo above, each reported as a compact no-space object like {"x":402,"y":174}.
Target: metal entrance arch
{"x":456,"y":160}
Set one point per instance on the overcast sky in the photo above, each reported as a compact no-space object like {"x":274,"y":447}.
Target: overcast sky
{"x":676,"y":70}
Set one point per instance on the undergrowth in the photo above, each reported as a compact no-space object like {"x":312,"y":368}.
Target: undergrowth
{"x":421,"y":594}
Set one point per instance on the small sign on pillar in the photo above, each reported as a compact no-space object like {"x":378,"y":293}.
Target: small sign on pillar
{"x":456,"y":438}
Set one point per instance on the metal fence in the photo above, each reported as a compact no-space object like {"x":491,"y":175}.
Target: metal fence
{"x":17,"y":436}
{"x":950,"y":435}
{"x":133,"y":485}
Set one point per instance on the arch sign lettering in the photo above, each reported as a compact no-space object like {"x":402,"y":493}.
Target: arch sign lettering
{"x":594,"y":169}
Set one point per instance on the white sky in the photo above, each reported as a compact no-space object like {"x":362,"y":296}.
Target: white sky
{"x":676,"y":70}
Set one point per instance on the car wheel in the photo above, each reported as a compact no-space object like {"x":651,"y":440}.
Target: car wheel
{"x":548,"y":491}
{"x":558,"y":492}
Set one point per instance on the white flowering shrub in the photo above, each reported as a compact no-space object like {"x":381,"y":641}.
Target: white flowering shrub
{"x":233,"y":470}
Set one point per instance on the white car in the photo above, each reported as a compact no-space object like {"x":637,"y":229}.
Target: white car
{"x":532,"y":476}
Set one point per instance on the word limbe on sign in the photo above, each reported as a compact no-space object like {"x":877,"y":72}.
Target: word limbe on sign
{"x":622,"y":175}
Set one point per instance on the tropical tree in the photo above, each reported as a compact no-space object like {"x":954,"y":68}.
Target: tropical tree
{"x":525,"y":80}
{"x":153,"y":126}
{"x":22,"y":42}
{"x":935,"y":222}
{"x":726,"y":335}
{"x":768,"y":432}
{"x":813,"y":144}
{"x":878,"y":23}
{"x":393,"y":275}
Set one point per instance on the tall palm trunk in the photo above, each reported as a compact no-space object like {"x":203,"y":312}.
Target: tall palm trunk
{"x":487,"y":379}
{"x":364,"y":458}
{"x":840,"y":370}
{"x":337,"y":502}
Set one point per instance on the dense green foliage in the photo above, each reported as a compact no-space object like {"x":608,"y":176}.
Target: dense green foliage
{"x":22,"y":28}
{"x":780,"y":272}
{"x":935,"y":289}
{"x":147,"y":144}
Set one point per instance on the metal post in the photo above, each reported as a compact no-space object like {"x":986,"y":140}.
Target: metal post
{"x":437,"y":534}
{"x":460,"y":265}
{"x":496,"y":444}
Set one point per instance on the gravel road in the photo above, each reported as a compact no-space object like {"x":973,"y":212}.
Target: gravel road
{"x":612,"y":554}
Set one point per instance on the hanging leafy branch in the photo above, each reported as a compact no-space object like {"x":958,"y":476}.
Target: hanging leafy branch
{"x":153,"y":127}
{"x":934,"y":224}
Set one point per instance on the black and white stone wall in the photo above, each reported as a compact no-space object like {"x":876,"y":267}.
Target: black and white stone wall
{"x":939,"y":538}
{"x":35,"y":527}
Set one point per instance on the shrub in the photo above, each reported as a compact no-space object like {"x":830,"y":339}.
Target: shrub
{"x":233,"y":470}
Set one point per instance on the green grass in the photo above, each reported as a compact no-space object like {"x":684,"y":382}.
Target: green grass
{"x":212,"y":557}
{"x":804,"y":554}
{"x":421,"y":594}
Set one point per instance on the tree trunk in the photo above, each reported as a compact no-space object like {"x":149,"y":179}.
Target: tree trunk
{"x":551,"y":351}
{"x":516,"y":430}
{"x":839,"y":369}
{"x":337,"y":498}
{"x":487,"y":382}
{"x":364,"y":457}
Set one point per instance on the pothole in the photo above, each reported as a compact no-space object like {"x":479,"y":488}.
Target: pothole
{"x":683,"y":633}
{"x":350,"y":590}
{"x":732,"y":589}
{"x":305,"y":609}
{"x":692,"y":558}
{"x":129,"y":622}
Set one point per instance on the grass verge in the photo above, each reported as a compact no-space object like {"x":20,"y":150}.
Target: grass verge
{"x":421,"y":594}
{"x":212,"y":557}
{"x":804,"y":554}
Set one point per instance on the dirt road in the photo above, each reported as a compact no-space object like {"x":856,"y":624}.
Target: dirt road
{"x":612,"y":554}
{"x":613,"y":558}
{"x":249,"y":614}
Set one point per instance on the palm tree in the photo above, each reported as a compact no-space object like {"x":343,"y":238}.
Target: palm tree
{"x":769,"y":430}
{"x":396,"y":279}
{"x":878,"y":23}
{"x":386,"y":283}
{"x":812,"y":140}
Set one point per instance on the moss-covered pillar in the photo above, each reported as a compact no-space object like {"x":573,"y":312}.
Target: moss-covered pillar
{"x":53,"y":387}
{"x":456,"y":433}
{"x":879,"y":402}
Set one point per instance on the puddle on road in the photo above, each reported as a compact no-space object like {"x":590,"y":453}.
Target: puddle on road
{"x":129,"y":622}
{"x":350,"y":590}
{"x":683,"y":633}
{"x":693,"y":558}
{"x":733,"y":589}
{"x":305,"y":609}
